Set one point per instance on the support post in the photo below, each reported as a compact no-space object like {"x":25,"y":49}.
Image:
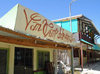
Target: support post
{"x":72,"y":67}
{"x":55,"y":61}
{"x":81,"y":56}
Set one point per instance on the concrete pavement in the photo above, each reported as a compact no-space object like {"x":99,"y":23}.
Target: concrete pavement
{"x":93,"y":68}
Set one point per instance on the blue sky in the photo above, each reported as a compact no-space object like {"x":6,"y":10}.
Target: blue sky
{"x":55,"y":9}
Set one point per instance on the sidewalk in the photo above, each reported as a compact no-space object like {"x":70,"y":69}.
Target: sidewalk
{"x":89,"y":69}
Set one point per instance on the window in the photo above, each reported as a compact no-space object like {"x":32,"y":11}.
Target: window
{"x":23,"y":61}
{"x":43,"y":57}
{"x":76,"y":53}
{"x":84,"y":53}
{"x":23,"y":57}
{"x":3,"y":61}
{"x":90,"y":55}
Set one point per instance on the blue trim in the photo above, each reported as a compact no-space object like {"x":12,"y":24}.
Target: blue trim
{"x":87,"y":42}
{"x":96,"y":47}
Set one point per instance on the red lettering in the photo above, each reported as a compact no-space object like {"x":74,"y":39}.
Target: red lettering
{"x":48,"y":29}
{"x":61,"y":34}
{"x":45,"y":27}
{"x":36,"y":27}
{"x":33,"y":17}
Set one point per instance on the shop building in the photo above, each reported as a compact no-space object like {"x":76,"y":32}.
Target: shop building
{"x":28,"y":41}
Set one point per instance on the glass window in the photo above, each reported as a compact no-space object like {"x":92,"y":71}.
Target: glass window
{"x":76,"y":53}
{"x":84,"y":53}
{"x":3,"y":61}
{"x":23,"y":57}
{"x":43,"y":57}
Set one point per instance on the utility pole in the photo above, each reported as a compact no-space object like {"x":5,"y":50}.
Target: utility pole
{"x":72,"y":67}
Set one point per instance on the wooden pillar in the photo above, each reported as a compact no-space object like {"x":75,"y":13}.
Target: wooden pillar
{"x":55,"y":60}
{"x":11,"y":59}
{"x":81,"y":56}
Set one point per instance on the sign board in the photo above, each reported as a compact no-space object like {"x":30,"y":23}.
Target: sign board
{"x":32,"y":23}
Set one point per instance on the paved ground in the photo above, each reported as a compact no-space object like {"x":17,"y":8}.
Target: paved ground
{"x":93,"y":68}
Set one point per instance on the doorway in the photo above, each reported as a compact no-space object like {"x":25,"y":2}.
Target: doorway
{"x":23,"y":61}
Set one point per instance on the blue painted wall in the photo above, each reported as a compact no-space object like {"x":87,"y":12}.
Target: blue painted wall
{"x":66,"y":25}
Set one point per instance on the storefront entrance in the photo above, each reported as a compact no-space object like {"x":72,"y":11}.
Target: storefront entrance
{"x":23,"y":61}
{"x":3,"y":61}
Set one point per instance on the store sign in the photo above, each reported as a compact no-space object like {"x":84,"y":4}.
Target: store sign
{"x":32,"y":23}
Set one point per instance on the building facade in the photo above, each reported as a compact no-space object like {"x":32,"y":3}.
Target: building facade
{"x":30,"y":43}
{"x":85,"y":33}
